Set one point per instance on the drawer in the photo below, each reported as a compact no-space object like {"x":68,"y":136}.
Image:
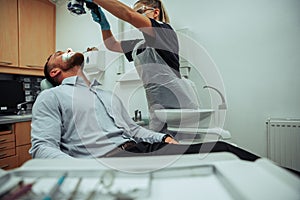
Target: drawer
{"x":7,"y":138}
{"x":9,"y":163}
{"x":7,"y":145}
{"x":5,"y":129}
{"x":8,"y":152}
{"x":5,"y":132}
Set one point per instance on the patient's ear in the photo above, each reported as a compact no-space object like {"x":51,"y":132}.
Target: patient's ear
{"x":54,"y":72}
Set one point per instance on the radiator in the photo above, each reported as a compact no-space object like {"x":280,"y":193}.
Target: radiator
{"x":284,"y":142}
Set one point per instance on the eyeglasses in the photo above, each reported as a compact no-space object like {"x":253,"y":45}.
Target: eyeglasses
{"x":143,"y":9}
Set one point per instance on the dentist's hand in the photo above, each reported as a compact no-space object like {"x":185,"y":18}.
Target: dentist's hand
{"x":102,"y":21}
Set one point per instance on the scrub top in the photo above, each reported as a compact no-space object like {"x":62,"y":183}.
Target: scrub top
{"x":165,"y":43}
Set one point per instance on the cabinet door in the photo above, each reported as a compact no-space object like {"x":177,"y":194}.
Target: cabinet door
{"x":23,"y":155}
{"x":36,"y":32}
{"x":8,"y":33}
{"x":22,"y":132}
{"x":23,"y":144}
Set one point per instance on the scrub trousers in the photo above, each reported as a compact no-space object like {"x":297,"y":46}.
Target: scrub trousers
{"x":156,"y":149}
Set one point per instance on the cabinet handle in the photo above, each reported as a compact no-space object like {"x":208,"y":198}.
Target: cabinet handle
{"x":4,"y":166}
{"x":5,"y":63}
{"x":3,"y":140}
{"x":34,"y":66}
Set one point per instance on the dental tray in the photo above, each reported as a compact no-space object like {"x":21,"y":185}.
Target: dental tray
{"x":208,"y":176}
{"x":80,"y":184}
{"x":111,"y":184}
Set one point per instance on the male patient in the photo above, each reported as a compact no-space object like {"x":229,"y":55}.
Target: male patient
{"x":77,"y":119}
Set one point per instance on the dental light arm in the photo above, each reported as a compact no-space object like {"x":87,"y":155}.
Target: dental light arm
{"x":222,"y":106}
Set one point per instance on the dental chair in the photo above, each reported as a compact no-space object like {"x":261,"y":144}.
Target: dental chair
{"x":45,"y":84}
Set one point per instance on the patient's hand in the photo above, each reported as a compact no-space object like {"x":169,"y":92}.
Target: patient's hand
{"x":170,"y":140}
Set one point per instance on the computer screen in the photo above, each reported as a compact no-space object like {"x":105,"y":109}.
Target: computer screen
{"x":12,"y":93}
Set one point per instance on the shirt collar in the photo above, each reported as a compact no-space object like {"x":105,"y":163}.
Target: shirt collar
{"x":95,"y":83}
{"x":73,"y":80}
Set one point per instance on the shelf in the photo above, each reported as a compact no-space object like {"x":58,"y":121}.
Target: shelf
{"x":21,"y":71}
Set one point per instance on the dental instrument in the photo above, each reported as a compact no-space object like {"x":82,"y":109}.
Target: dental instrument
{"x":55,"y":188}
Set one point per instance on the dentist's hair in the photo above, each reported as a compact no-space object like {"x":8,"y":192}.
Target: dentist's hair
{"x":163,"y":15}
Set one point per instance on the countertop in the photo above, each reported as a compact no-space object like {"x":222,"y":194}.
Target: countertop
{"x":9,"y":119}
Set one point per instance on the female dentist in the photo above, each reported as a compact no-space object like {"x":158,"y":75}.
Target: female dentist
{"x":155,"y":55}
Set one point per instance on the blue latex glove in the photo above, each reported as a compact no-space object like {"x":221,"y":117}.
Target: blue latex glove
{"x":102,"y":21}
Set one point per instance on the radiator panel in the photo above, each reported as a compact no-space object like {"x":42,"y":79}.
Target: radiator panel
{"x":284,"y":142}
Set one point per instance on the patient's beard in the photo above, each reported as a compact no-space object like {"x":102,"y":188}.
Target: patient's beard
{"x":76,"y":60}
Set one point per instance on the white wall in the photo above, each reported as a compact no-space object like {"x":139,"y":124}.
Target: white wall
{"x":254,"y":44}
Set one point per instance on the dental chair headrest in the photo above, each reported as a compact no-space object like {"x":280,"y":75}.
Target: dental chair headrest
{"x":45,"y":84}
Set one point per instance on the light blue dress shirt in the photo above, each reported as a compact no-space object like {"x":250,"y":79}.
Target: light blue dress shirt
{"x":74,"y":120}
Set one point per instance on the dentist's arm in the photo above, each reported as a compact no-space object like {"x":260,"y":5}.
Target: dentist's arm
{"x":109,"y":40}
{"x":124,"y":13}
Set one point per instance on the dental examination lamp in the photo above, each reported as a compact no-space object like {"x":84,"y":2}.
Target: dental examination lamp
{"x":222,"y":106}
{"x":76,"y":7}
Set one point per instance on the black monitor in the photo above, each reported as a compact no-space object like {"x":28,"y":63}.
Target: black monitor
{"x":11,"y":94}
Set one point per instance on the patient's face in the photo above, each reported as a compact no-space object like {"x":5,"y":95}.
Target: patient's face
{"x":66,"y":60}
